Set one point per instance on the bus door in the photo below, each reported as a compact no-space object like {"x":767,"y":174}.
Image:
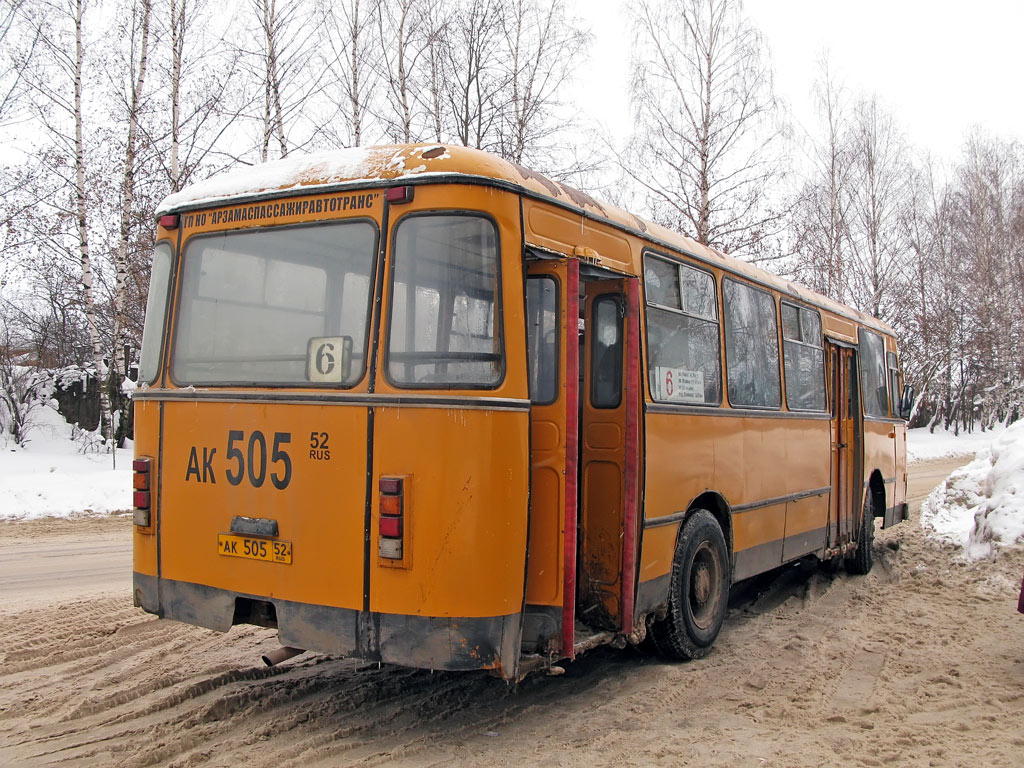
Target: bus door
{"x":609,"y":458}
{"x":552,"y":333}
{"x":847,"y":444}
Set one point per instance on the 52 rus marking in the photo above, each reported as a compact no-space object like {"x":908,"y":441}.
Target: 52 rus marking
{"x":250,"y":464}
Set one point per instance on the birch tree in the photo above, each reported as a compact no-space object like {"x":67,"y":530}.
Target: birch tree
{"x":403,"y":33}
{"x":708,"y":144}
{"x":284,"y":61}
{"x":138,"y":61}
{"x":203,"y":100}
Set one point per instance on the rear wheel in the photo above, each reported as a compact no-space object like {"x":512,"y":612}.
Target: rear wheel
{"x":864,"y":556}
{"x":699,"y":591}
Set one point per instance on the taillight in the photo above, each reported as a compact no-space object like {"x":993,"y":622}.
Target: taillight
{"x":169,"y":221}
{"x":391,"y":527}
{"x":141,"y":495}
{"x":398,"y":195}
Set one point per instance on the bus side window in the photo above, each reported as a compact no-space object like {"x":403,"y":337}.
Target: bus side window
{"x":894,"y":385}
{"x":606,"y":353}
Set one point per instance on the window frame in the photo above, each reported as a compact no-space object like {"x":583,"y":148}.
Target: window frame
{"x":785,"y":301}
{"x":892,"y":366}
{"x":499,"y":320}
{"x":620,"y":327}
{"x":778,"y":365}
{"x":169,"y":292}
{"x":179,"y":276}
{"x":862,"y":362}
{"x":558,"y":337}
{"x":717,"y":322}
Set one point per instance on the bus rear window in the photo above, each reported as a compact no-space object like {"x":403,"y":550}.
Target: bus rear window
{"x":276,"y":306}
{"x":444,"y":328}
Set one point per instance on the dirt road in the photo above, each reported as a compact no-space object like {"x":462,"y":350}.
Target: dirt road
{"x":920,"y":663}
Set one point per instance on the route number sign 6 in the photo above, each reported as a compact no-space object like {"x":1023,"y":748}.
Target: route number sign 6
{"x":329,"y":359}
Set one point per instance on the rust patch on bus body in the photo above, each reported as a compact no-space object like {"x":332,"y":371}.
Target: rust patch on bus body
{"x":582,"y":199}
{"x":544,"y":181}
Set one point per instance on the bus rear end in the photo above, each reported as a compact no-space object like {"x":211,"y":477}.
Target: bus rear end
{"x":330,"y":439}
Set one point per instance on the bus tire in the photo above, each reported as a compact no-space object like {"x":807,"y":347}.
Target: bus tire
{"x":860,"y":562}
{"x":698,"y":592}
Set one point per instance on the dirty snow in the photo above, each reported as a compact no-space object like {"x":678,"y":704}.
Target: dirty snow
{"x":981,"y":505}
{"x":52,"y":477}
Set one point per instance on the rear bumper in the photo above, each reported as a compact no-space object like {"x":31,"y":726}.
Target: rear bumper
{"x":428,"y":642}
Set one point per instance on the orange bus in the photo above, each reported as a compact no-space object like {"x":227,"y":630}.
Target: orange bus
{"x":420,"y":405}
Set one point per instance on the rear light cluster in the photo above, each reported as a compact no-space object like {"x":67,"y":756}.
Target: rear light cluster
{"x":141,"y":496}
{"x":391,"y":528}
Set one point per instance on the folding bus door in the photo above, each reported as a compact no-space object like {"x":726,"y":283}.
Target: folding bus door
{"x":552,"y":332}
{"x":609,"y":473}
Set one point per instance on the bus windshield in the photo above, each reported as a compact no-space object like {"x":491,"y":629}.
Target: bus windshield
{"x":255,"y":303}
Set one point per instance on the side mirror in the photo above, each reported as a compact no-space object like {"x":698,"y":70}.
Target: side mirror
{"x":906,"y":402}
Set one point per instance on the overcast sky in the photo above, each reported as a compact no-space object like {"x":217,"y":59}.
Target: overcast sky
{"x":939,"y":66}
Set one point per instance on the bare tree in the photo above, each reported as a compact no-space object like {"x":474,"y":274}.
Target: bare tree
{"x":200,"y":72}
{"x":474,"y":84}
{"x":284,"y":62}
{"x":403,"y":34}
{"x":19,"y":37}
{"x":879,"y":184}
{"x":352,"y":56}
{"x":139,"y":37}
{"x":708,"y":143}
{"x":820,"y":228}
{"x":542,"y":48}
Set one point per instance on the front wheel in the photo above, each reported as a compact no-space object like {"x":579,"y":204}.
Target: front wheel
{"x":699,"y":591}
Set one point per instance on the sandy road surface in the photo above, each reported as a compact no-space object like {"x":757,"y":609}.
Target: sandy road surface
{"x":919,"y":663}
{"x":70,"y":559}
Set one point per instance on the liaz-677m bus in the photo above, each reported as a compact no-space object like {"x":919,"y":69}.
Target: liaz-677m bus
{"x":420,"y":405}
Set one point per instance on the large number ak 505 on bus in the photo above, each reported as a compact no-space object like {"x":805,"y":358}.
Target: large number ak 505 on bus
{"x":420,"y":405}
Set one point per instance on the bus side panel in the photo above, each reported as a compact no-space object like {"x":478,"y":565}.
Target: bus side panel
{"x":807,"y":452}
{"x":466,"y":481}
{"x":899,"y":496}
{"x":675,"y":474}
{"x":144,"y":550}
{"x":879,"y":453}
{"x":320,"y":508}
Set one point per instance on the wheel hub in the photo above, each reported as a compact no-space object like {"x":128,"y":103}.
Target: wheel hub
{"x":701,"y":584}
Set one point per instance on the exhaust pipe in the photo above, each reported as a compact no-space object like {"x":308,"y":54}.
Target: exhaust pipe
{"x":281,"y":654}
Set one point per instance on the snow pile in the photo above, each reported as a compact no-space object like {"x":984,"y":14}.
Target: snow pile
{"x":981,"y":505}
{"x":923,"y":444}
{"x":52,"y":477}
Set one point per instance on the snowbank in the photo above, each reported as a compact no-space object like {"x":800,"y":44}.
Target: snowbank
{"x":940,"y":444}
{"x":52,"y":477}
{"x":981,"y":505}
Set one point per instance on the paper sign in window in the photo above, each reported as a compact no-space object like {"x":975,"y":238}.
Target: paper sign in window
{"x":680,"y":385}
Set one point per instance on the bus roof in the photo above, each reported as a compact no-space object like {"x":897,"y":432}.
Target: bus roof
{"x":365,"y":166}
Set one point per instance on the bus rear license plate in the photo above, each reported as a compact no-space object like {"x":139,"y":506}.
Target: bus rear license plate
{"x":269,"y":550}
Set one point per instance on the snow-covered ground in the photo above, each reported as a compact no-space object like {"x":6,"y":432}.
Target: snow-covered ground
{"x":52,"y":477}
{"x":923,"y":445}
{"x":979,"y":506}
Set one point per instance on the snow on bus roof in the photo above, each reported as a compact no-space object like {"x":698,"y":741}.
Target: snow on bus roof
{"x":362,"y":165}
